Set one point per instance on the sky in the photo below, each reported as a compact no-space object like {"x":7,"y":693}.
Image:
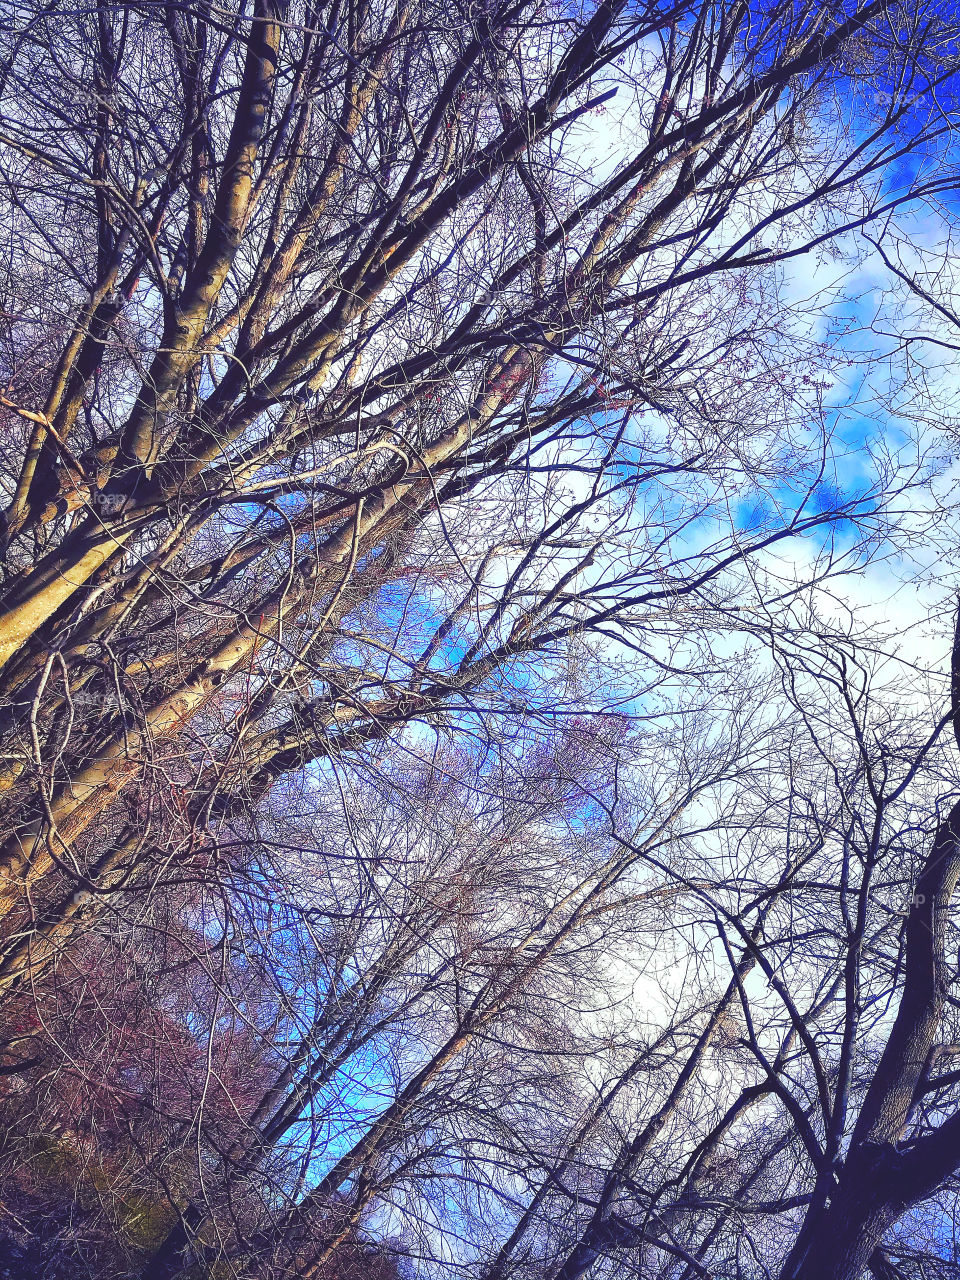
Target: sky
{"x":849,"y":298}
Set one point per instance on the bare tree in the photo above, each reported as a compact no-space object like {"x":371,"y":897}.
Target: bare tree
{"x":809,"y":1130}
{"x":351,"y":357}
{"x":359,"y":402}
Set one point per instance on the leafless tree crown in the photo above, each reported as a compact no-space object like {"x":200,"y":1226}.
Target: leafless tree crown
{"x":446,"y":829}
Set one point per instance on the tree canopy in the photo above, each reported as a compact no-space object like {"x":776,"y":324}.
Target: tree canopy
{"x":459,"y":817}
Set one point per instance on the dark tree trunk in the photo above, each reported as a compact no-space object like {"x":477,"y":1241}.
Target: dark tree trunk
{"x":839,"y":1242}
